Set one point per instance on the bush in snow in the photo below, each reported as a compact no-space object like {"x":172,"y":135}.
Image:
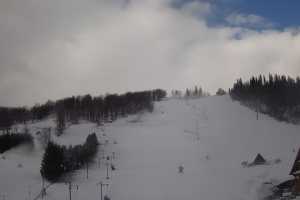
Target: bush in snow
{"x":220,"y":92}
{"x":77,"y":156}
{"x":106,"y":197}
{"x":9,"y":140}
{"x":58,"y":159}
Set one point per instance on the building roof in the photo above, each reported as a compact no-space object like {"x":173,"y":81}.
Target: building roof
{"x":259,"y":159}
{"x":296,"y":166}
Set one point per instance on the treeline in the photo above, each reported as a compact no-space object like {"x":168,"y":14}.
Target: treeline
{"x":95,"y":109}
{"x":9,"y":116}
{"x":108,"y":108}
{"x":278,"y":96}
{"x":195,"y":92}
{"x":59,"y":159}
{"x":10,"y":140}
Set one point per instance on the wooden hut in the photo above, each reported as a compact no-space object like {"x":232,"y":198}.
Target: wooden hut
{"x":296,"y":173}
{"x":259,"y":160}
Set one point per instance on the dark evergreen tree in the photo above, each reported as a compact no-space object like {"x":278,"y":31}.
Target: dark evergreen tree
{"x":278,"y":96}
{"x":187,"y":93}
{"x":90,"y":146}
{"x":39,"y":112}
{"x":6,"y":120}
{"x":52,"y":166}
{"x":10,"y":140}
{"x":60,"y":122}
{"x":220,"y":92}
{"x":95,"y":109}
{"x":58,"y":160}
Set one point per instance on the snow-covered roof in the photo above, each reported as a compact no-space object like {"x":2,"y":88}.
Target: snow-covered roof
{"x":259,"y":159}
{"x":297,"y":172}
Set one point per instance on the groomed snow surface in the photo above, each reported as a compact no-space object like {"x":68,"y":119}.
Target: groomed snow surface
{"x":209,"y":137}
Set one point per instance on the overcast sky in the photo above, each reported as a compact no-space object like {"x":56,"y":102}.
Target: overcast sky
{"x":51,"y":49}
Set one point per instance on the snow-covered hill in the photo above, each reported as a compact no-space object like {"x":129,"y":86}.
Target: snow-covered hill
{"x":209,"y":137}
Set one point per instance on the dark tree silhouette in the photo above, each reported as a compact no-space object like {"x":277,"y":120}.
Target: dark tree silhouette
{"x":52,"y":166}
{"x":95,"y":109}
{"x":10,"y":140}
{"x":60,"y":121}
{"x":220,"y":92}
{"x":278,"y":96}
{"x":58,"y":159}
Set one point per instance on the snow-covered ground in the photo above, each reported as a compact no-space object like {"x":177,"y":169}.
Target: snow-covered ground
{"x":210,"y":137}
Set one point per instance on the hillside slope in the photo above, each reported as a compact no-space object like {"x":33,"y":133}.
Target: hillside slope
{"x":228,"y":134}
{"x":209,"y":137}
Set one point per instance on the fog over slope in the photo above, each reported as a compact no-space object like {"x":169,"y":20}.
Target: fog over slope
{"x":149,"y":148}
{"x":54,"y":49}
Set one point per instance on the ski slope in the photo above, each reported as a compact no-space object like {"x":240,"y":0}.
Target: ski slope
{"x":210,"y":137}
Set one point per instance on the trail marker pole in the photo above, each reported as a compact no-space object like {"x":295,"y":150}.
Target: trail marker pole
{"x":197,"y":130}
{"x":70,"y":190}
{"x":101,"y":189}
{"x":107,"y":165}
{"x":87,"y":170}
{"x":43,"y":188}
{"x":257,"y":108}
{"x":29,"y":192}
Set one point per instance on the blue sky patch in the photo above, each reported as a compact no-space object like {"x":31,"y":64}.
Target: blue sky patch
{"x":280,"y":13}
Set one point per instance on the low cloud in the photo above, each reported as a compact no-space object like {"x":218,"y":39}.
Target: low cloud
{"x":62,"y":47}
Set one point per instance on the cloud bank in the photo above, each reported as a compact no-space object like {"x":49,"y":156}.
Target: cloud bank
{"x":58,"y":48}
{"x":251,"y":20}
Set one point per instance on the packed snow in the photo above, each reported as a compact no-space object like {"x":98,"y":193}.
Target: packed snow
{"x":185,"y":149}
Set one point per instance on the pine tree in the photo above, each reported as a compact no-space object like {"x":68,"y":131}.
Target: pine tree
{"x":52,"y":166}
{"x":60,"y":122}
{"x":220,"y":92}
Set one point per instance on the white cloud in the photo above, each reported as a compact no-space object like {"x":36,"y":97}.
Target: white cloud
{"x":66,"y":47}
{"x":248,"y":20}
{"x":197,"y":8}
